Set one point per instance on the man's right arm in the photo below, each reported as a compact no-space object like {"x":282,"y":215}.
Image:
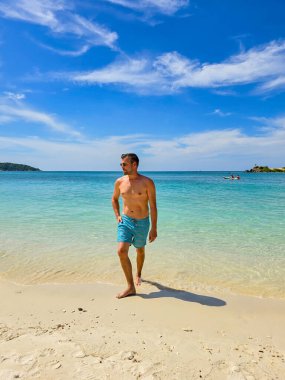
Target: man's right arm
{"x":115,"y":201}
{"x":153,"y":210}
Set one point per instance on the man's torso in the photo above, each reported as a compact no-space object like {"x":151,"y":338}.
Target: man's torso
{"x":135,"y":196}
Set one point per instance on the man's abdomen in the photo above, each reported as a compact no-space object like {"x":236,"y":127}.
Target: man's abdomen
{"x":135,"y":211}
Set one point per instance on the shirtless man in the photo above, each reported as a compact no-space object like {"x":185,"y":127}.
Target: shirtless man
{"x":138,"y":194}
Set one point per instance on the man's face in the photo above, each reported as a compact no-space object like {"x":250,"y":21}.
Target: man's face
{"x":127,"y":166}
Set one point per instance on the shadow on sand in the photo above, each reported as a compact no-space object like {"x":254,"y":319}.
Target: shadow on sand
{"x":183,"y":295}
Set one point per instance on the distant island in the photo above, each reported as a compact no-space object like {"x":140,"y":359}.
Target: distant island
{"x":9,"y":166}
{"x":265,"y":169}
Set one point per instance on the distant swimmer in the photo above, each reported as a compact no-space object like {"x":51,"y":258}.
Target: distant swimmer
{"x":139,"y":197}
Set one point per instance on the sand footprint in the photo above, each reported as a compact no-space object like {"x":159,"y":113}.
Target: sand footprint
{"x":8,"y":374}
{"x":235,"y":373}
{"x":79,"y":353}
{"x":26,"y":359}
{"x":147,"y":370}
{"x":55,"y":364}
{"x":90,"y":368}
{"x":47,"y":352}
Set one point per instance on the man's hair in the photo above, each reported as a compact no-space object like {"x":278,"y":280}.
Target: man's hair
{"x":132,"y":156}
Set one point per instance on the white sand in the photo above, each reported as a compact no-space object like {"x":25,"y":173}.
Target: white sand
{"x":159,"y":334}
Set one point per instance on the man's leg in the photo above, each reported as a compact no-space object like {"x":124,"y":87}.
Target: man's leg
{"x":123,"y":249}
{"x":140,"y":261}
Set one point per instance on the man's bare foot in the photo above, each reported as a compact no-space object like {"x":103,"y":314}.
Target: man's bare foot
{"x":131,"y":291}
{"x":138,"y":280}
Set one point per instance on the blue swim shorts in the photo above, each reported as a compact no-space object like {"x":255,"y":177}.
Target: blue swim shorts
{"x":133,"y":231}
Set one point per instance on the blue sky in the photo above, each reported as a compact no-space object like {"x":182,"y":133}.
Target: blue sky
{"x":187,"y":85}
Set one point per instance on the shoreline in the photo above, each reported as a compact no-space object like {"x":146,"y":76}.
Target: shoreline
{"x":76,"y":331}
{"x":195,"y":287}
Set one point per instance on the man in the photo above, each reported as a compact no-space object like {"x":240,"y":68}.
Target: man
{"x":138,"y":194}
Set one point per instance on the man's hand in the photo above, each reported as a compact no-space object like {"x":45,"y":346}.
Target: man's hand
{"x":152,"y":235}
{"x":119,"y":219}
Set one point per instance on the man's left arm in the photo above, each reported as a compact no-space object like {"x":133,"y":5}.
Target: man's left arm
{"x":153,"y":210}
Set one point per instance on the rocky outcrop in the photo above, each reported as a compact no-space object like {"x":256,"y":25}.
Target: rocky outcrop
{"x":265,"y":169}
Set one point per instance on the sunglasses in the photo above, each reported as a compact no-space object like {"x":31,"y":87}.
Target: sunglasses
{"x":123,"y":164}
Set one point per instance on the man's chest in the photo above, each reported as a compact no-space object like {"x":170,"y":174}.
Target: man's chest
{"x":133,"y":190}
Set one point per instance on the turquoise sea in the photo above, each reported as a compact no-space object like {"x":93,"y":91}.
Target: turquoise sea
{"x":214,"y":234}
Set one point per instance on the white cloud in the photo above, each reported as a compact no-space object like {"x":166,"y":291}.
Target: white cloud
{"x":18,"y":111}
{"x":167,"y":7}
{"x":96,"y":154}
{"x":60,"y":19}
{"x":14,"y":96}
{"x":4,"y":119}
{"x":34,"y":11}
{"x":224,"y":92}
{"x":134,"y":73}
{"x":219,"y":112}
{"x":71,"y":53}
{"x":259,"y":64}
{"x":274,"y":84}
{"x":220,"y":149}
{"x":171,"y":72}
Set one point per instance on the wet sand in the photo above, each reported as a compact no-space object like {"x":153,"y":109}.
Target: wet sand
{"x":73,"y":331}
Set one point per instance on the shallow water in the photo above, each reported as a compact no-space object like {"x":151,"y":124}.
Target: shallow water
{"x":213,"y":233}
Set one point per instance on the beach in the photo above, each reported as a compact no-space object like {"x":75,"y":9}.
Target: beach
{"x":142,"y":190}
{"x":80,"y":331}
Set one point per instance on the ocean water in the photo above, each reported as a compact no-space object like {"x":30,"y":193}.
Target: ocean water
{"x":213,"y":234}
